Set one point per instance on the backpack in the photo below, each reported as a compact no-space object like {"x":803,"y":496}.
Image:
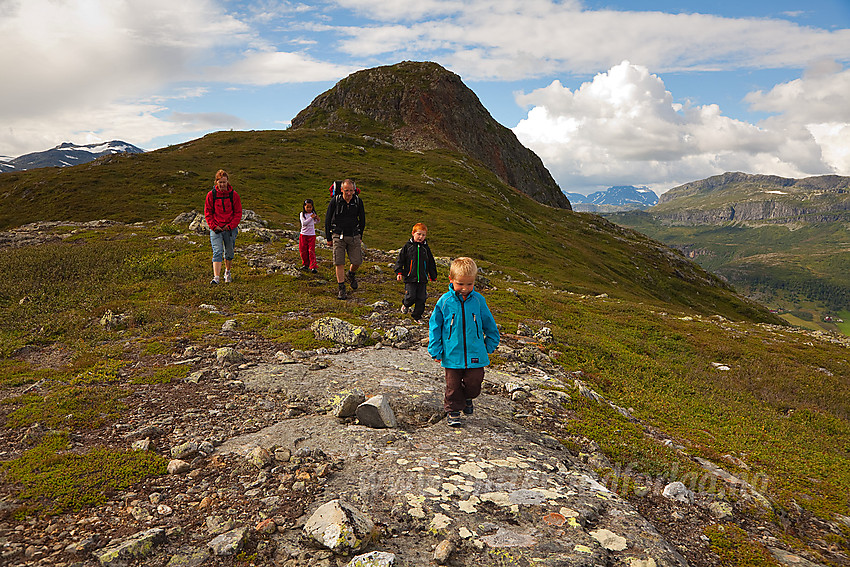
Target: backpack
{"x":336,"y":188}
{"x":215,"y":196}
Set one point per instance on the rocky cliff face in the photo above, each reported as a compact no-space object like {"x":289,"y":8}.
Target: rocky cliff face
{"x":767,"y":198}
{"x":422,"y":106}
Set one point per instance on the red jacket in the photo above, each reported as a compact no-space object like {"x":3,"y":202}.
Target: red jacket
{"x":226,"y":211}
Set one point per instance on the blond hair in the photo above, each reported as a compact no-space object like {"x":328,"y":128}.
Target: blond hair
{"x":463,"y":267}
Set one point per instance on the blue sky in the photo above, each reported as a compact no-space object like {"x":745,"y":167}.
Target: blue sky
{"x":623,"y":92}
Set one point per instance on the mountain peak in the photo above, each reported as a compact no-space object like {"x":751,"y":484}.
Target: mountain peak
{"x":614,"y":199}
{"x":421,"y":106}
{"x":67,"y":154}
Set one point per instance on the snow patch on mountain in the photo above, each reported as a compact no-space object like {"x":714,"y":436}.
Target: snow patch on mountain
{"x":67,"y":154}
{"x":613,"y":199}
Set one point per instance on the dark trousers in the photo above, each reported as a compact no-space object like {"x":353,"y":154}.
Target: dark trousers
{"x":462,"y":384}
{"x":415,"y":294}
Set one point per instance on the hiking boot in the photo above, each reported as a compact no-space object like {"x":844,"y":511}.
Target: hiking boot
{"x":304,"y":268}
{"x":228,"y":278}
{"x":314,"y":271}
{"x":417,"y":321}
{"x":341,"y":293}
{"x":453,"y":419}
{"x":468,"y":409}
{"x":405,"y":308}
{"x":352,"y":280}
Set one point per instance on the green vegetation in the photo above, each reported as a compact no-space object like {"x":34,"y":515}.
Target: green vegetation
{"x":277,"y":169}
{"x":54,"y":481}
{"x":786,"y":267}
{"x":735,"y":550}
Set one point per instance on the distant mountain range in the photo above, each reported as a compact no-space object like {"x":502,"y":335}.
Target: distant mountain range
{"x":614,"y":199}
{"x":779,"y":240}
{"x":66,"y":154}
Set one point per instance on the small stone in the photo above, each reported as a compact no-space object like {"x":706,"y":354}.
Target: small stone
{"x":721,"y":510}
{"x":267,"y":526}
{"x":260,"y":457}
{"x":678,"y":492}
{"x":177,"y":466}
{"x":184,"y":450}
{"x":444,"y":550}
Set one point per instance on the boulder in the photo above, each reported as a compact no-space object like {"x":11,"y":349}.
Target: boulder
{"x":136,"y":546}
{"x":339,"y":331}
{"x":376,"y":412}
{"x":344,"y":404}
{"x":229,"y":355}
{"x":678,"y":492}
{"x":398,"y":334}
{"x":229,"y":543}
{"x":340,"y":527}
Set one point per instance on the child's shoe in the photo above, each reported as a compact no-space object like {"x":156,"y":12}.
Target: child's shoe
{"x":468,"y":409}
{"x":453,"y":419}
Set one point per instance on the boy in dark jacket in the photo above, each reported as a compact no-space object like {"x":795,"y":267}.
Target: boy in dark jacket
{"x":415,"y":266}
{"x":462,"y":333}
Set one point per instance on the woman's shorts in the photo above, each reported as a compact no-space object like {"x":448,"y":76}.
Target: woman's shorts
{"x":222,"y":244}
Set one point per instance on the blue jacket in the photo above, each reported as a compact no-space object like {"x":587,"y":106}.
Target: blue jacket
{"x":462,"y":332}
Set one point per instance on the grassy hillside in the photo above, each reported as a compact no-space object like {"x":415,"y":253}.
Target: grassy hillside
{"x":781,"y":412}
{"x":468,"y":210}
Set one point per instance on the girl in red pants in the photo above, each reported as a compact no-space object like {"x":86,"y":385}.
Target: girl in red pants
{"x":307,"y":238}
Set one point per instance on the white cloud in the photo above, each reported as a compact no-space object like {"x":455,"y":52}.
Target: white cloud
{"x":98,"y":66}
{"x":815,"y":104}
{"x":268,"y":68}
{"x":513,"y":39}
{"x":624,"y":127}
{"x":69,"y":64}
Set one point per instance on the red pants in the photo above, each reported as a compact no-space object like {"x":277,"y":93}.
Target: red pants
{"x":462,"y":384}
{"x":307,"y":247}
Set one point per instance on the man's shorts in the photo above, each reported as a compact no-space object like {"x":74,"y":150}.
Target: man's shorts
{"x":350,"y":244}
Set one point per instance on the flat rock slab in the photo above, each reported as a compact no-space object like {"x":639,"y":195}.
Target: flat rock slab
{"x":489,"y":483}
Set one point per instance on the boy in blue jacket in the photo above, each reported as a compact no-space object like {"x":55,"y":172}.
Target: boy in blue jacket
{"x":462,"y":332}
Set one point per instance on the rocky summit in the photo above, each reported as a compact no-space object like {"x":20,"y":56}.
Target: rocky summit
{"x":421,"y":106}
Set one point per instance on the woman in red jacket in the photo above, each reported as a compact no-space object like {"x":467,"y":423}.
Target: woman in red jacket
{"x":223,"y":211}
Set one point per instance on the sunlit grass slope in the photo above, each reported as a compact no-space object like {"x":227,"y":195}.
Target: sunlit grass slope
{"x":467,"y":209}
